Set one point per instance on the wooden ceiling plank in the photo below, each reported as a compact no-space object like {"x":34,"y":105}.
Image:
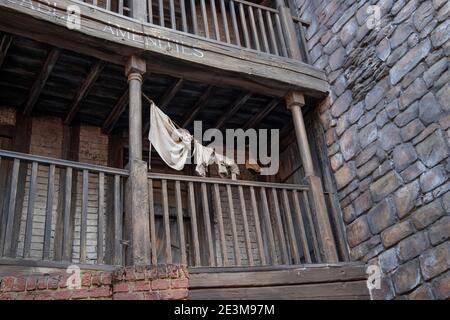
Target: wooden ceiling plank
{"x":83,"y":91}
{"x":199,"y":105}
{"x":116,"y":113}
{"x":238,"y":103}
{"x":41,"y":80}
{"x":4,"y":47}
{"x":255,"y":120}
{"x":166,"y":98}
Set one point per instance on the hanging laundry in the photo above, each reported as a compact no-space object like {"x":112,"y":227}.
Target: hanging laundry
{"x":172,"y":143}
{"x":227,"y":166}
{"x":203,"y":157}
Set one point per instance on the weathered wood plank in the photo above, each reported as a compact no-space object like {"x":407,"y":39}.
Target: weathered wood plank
{"x":49,"y":212}
{"x":94,"y":73}
{"x":151,"y":205}
{"x":41,"y":80}
{"x":180,"y":221}
{"x":165,"y":199}
{"x":259,"y":239}
{"x":84,"y":214}
{"x":66,"y":232}
{"x":101,"y":218}
{"x":30,"y":210}
{"x":194,"y":227}
{"x":218,"y":211}
{"x":207,"y":221}
{"x":116,"y":113}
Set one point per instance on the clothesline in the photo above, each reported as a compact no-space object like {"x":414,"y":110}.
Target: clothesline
{"x":174,"y":144}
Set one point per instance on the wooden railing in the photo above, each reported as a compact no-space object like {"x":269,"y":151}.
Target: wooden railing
{"x":57,"y":210}
{"x":236,"y":23}
{"x":216,"y":222}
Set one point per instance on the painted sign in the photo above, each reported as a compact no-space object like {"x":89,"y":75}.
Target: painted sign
{"x":150,"y":42}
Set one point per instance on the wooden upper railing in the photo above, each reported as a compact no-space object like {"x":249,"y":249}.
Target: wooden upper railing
{"x":236,"y":23}
{"x":67,"y":212}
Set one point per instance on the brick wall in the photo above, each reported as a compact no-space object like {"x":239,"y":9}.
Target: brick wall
{"x":165,"y":282}
{"x":387,"y":128}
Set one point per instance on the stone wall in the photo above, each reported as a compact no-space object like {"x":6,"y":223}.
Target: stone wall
{"x":165,"y":282}
{"x":387,"y":128}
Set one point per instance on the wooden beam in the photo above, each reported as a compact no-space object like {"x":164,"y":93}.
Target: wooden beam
{"x":165,"y":99}
{"x":238,"y":103}
{"x":4,"y":47}
{"x":199,"y":105}
{"x":255,"y":120}
{"x":84,"y":89}
{"x":41,"y":80}
{"x":116,"y":113}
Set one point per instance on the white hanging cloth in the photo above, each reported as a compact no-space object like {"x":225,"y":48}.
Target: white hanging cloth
{"x":172,"y":144}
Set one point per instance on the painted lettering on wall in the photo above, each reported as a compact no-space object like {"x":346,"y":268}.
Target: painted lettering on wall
{"x":150,"y":42}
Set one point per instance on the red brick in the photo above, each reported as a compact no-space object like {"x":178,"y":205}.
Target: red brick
{"x":180,"y":283}
{"x":31,"y":283}
{"x":53,"y":282}
{"x":80,"y":294}
{"x":173,"y":294}
{"x":86,"y":279}
{"x":96,"y":279}
{"x":160,"y":284}
{"x":42,"y":283}
{"x":63,"y":294}
{"x":7,"y":284}
{"x":121,"y":287}
{"x":6,"y":296}
{"x":63,"y":280}
{"x":128,"y":296}
{"x":106,"y":278}
{"x":100,"y":292}
{"x":19,"y":285}
{"x":142,"y":286}
{"x":129,"y":273}
{"x":151,"y":296}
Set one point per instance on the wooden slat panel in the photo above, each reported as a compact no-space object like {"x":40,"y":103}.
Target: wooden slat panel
{"x":165,"y":198}
{"x":84,"y":213}
{"x":290,"y":228}
{"x":234,"y":22}
{"x":204,"y":18}
{"x":215,"y":21}
{"x":237,"y":252}
{"x":173,"y":21}
{"x":257,"y":226}
{"x":194,"y":17}
{"x":223,"y":242}
{"x":117,"y":222}
{"x":253,"y":27}
{"x":66,"y":236}
{"x":268,"y":224}
{"x":312,"y":227}
{"x":161,"y":13}
{"x":194,"y":227}
{"x":207,"y":220}
{"x":180,"y":223}
{"x":49,"y":212}
{"x":246,"y":228}
{"x":223,"y":11}
{"x":183,"y":16}
{"x":244,"y":25}
{"x":152,"y":223}
{"x":252,"y":277}
{"x":282,"y":43}
{"x":150,"y":10}
{"x":8,"y":242}
{"x":302,"y":229}
{"x":30,"y":210}
{"x":262,"y":29}
{"x":101,"y":218}
{"x":273,"y":40}
{"x":279,"y":227}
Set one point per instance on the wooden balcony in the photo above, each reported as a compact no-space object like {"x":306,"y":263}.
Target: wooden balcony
{"x":59,"y":212}
{"x":229,"y":42}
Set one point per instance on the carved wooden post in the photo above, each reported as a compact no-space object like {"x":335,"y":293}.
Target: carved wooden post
{"x":289,"y":30}
{"x":295,"y":101}
{"x":136,"y":195}
{"x":139,"y":10}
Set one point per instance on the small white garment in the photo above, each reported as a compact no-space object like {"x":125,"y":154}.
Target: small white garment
{"x":203,"y":157}
{"x":172,"y":144}
{"x":227,"y":166}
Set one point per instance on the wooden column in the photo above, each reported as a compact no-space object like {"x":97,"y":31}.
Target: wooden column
{"x":136,"y":195}
{"x":295,"y":101}
{"x":290,"y":34}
